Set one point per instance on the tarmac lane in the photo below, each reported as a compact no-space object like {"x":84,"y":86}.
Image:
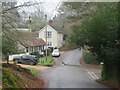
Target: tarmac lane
{"x":69,"y":73}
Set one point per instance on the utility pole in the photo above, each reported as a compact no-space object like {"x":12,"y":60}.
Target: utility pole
{"x":29,"y":23}
{"x":46,"y":35}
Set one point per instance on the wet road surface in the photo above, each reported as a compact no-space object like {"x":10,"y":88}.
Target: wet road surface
{"x":72,"y":75}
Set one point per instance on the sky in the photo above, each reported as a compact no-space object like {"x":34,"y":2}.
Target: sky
{"x":49,"y":7}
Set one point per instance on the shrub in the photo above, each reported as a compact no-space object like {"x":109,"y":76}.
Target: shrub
{"x":89,"y":58}
{"x":9,"y":79}
{"x":48,"y":52}
{"x":35,"y":53}
{"x":103,"y":73}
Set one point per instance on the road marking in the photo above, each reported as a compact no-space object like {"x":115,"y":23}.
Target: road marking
{"x":93,"y":75}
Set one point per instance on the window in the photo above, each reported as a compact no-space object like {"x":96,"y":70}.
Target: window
{"x":40,"y":48}
{"x":48,"y":34}
{"x":49,"y":44}
{"x":26,"y":49}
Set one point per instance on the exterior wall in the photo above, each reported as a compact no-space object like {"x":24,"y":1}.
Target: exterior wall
{"x":36,"y":49}
{"x":14,"y":55}
{"x":53,"y":38}
{"x":30,"y":49}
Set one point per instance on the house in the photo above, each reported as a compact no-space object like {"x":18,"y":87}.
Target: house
{"x":30,"y":42}
{"x":35,"y":45}
{"x":54,"y":37}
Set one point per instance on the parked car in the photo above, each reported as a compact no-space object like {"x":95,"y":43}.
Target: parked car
{"x":56,"y":53}
{"x":26,"y":59}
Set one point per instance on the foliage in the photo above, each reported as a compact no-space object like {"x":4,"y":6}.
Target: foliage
{"x":9,"y":19}
{"x":91,"y":31}
{"x":35,"y":53}
{"x":36,"y":24}
{"x":77,"y":10}
{"x":48,"y":51}
{"x":33,"y":70}
{"x":68,"y":46}
{"x":49,"y":62}
{"x":58,"y":22}
{"x":10,"y":16}
{"x":89,"y":58}
{"x":17,"y":78}
{"x":101,"y":41}
{"x":8,"y":46}
{"x":100,"y":32}
{"x":103,"y":73}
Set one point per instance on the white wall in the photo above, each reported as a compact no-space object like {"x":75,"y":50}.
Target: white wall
{"x":53,"y":39}
{"x":14,"y":55}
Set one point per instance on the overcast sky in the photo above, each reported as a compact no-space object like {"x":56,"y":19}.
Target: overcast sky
{"x":49,"y":6}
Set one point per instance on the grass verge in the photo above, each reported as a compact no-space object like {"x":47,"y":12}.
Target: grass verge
{"x":33,"y":70}
{"x":43,"y":61}
{"x":14,"y":76}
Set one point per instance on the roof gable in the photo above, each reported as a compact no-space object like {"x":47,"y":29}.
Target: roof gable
{"x":48,"y":26}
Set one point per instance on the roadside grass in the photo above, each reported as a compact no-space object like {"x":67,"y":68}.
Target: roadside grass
{"x":44,"y":62}
{"x":33,"y":70}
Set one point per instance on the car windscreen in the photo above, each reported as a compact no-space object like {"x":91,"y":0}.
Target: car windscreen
{"x":56,"y":51}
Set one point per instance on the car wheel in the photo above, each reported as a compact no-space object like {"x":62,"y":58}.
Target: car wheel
{"x":31,"y":63}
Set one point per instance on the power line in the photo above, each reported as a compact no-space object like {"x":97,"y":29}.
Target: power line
{"x":39,"y":9}
{"x":56,"y":7}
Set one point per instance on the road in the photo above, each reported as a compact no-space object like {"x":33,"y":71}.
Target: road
{"x":72,"y":75}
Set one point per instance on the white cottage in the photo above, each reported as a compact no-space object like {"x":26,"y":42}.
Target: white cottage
{"x":54,"y":37}
{"x":29,"y":42}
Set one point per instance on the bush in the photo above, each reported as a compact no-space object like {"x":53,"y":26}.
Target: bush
{"x":48,"y":52}
{"x":68,"y":46}
{"x":89,"y":57}
{"x":35,"y":53}
{"x":103,"y":73}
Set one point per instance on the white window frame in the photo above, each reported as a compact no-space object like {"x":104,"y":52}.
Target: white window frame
{"x":49,"y":44}
{"x":48,"y":34}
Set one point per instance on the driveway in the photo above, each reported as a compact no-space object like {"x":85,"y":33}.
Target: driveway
{"x":69,"y":73}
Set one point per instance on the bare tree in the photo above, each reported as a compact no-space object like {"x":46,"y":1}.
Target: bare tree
{"x":10,"y":18}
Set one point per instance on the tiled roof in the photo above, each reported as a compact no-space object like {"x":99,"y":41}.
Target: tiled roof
{"x":38,"y":42}
{"x":34,"y":42}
